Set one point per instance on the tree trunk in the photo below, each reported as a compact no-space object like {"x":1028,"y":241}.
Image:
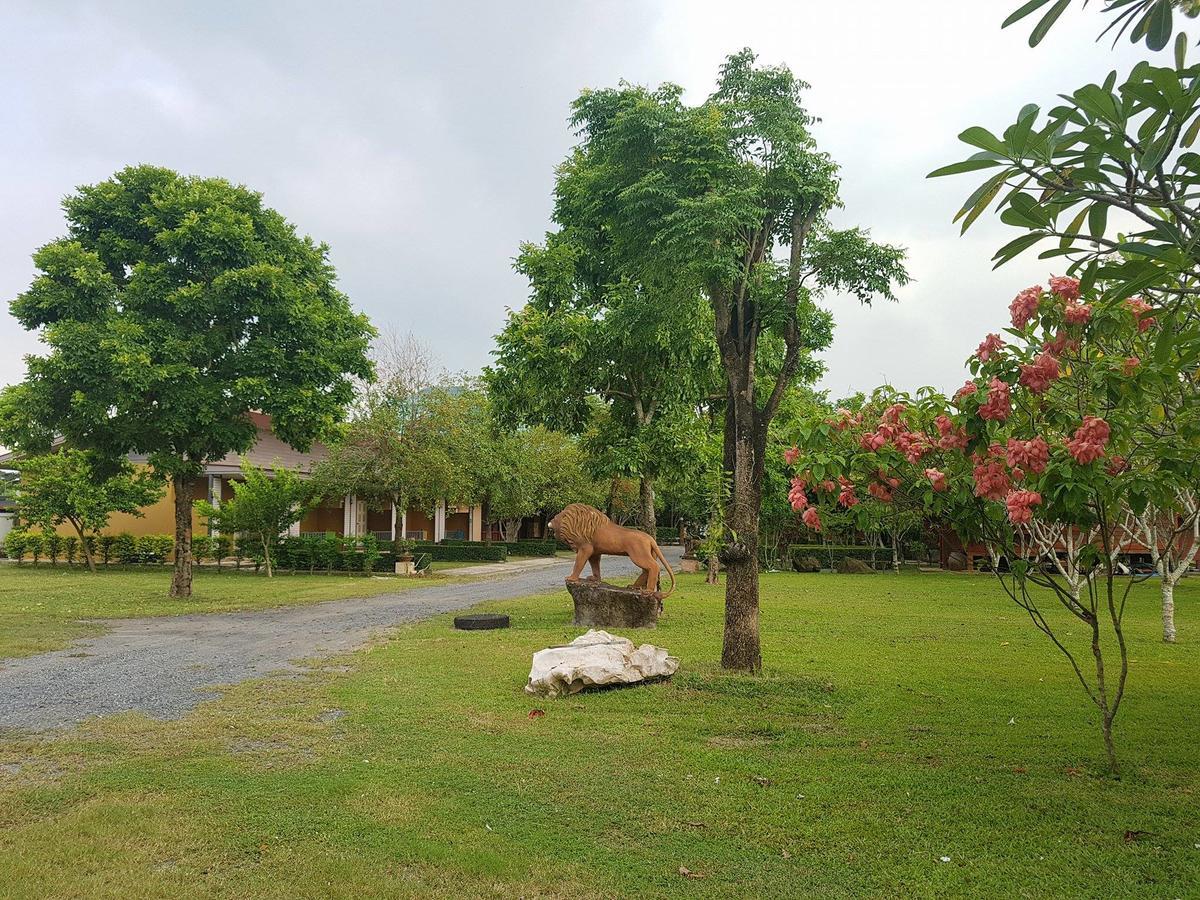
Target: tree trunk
{"x":181,"y":579}
{"x":714,"y":567}
{"x":512,"y":530}
{"x":1168,"y":609}
{"x":87,"y":554}
{"x":740,"y":646}
{"x":647,"y":515}
{"x":267,"y":557}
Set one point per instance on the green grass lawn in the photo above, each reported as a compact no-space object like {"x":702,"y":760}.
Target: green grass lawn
{"x":901,"y":719}
{"x":43,"y":608}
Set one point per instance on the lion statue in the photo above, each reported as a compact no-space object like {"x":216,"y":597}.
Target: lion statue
{"x":590,"y":533}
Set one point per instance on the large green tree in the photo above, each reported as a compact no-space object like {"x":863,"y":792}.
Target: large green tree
{"x":172,"y":308}
{"x":732,"y":197}
{"x":594,"y":329}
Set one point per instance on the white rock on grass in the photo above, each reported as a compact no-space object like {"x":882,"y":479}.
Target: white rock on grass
{"x":596,"y":659}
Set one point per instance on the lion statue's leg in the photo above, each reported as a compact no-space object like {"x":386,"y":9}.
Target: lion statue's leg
{"x":582,"y":555}
{"x":594,"y":561}
{"x":643,"y":557}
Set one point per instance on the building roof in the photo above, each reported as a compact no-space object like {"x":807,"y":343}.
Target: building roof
{"x":268,"y":451}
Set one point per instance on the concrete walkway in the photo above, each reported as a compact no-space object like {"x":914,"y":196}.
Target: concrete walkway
{"x":165,"y":666}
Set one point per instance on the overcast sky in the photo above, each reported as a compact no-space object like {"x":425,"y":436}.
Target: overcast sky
{"x":419,"y":139}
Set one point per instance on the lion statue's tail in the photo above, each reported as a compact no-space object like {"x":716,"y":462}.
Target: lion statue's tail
{"x":666,"y":565}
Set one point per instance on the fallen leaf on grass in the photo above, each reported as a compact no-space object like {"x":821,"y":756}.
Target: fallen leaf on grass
{"x":1074,"y":772}
{"x":1132,"y":836}
{"x":1020,"y":770}
{"x":696,"y":824}
{"x":688,"y":873}
{"x":758,"y":779}
{"x":536,"y":713}
{"x":786,"y":855}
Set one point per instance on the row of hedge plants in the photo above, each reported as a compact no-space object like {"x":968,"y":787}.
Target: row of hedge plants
{"x":107,"y":549}
{"x":531,"y":548}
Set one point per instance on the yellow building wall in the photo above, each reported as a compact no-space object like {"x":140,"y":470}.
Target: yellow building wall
{"x":158,"y":518}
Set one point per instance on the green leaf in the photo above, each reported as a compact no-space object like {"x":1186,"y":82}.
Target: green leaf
{"x":1157,"y":25}
{"x":979,"y":200}
{"x":980,"y":137}
{"x":967,"y":165}
{"x":1181,"y":42}
{"x":1097,"y":219}
{"x":1047,"y":22}
{"x":1015,"y":247}
{"x":1189,"y":136}
{"x":1023,"y":11}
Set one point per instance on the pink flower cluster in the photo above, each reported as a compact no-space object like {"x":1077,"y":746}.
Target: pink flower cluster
{"x":1024,"y":305}
{"x":1060,"y":343}
{"x":1039,"y":375}
{"x":1139,"y":308}
{"x":791,"y":455}
{"x":1129,"y":366}
{"x":873,"y":440}
{"x":1077,"y":313}
{"x":998,"y":404}
{"x":913,"y":445}
{"x":1089,"y":441}
{"x":991,"y":481}
{"x":797,"y":496}
{"x":846,"y":496}
{"x":884,"y":489}
{"x":1066,"y":288}
{"x":1028,"y":456}
{"x":988,"y":346}
{"x":845,"y":419}
{"x":952,"y":437}
{"x":811,"y":518}
{"x":936,"y":478}
{"x":1020,"y":506}
{"x":965,"y":391}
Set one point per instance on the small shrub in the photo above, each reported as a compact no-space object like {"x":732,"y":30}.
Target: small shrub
{"x":53,"y":543}
{"x":124,"y":548}
{"x":107,"y":551}
{"x":70,"y":547}
{"x":222,"y":547}
{"x":201,"y":548}
{"x":35,"y":545}
{"x":16,"y":543}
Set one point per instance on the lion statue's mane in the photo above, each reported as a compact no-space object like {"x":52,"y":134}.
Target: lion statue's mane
{"x":577,"y":524}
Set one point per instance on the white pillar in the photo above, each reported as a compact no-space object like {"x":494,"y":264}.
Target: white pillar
{"x":214,"y":497}
{"x":404,"y":524}
{"x":476,"y":520}
{"x":439,"y":522}
{"x":393,"y":520}
{"x":347,"y":515}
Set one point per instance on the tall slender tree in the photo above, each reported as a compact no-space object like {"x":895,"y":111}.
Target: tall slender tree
{"x":732,"y":198}
{"x":172,"y":308}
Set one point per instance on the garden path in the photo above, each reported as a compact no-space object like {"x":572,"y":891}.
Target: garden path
{"x":165,"y":666}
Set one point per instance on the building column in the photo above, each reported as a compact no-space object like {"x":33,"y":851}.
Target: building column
{"x":439,"y":522}
{"x":348,"y":515}
{"x":393,"y":521}
{"x":404,"y":524}
{"x":214,"y":497}
{"x":476,"y":520}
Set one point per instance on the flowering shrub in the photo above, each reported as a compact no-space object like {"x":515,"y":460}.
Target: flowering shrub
{"x":1044,"y":455}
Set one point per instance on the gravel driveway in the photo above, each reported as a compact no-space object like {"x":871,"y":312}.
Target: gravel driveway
{"x":165,"y":666}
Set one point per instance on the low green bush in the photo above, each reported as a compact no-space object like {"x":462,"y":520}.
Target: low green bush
{"x":464,"y":552}
{"x":530,"y":548}
{"x":16,"y":544}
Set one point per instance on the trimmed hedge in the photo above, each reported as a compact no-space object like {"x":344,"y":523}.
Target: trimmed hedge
{"x":665,"y":535}
{"x":463,"y":551}
{"x":531,"y":548}
{"x":883,"y":556}
{"x":124,"y":548}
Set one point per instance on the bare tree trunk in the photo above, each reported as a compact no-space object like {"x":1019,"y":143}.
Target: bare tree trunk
{"x":647,"y":515}
{"x":512,"y":529}
{"x":1168,"y":609}
{"x":267,"y":556}
{"x":181,"y":579}
{"x":741,"y":648}
{"x":714,"y":567}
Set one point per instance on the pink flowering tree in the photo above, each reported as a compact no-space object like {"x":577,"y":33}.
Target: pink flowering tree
{"x":1044,"y":456}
